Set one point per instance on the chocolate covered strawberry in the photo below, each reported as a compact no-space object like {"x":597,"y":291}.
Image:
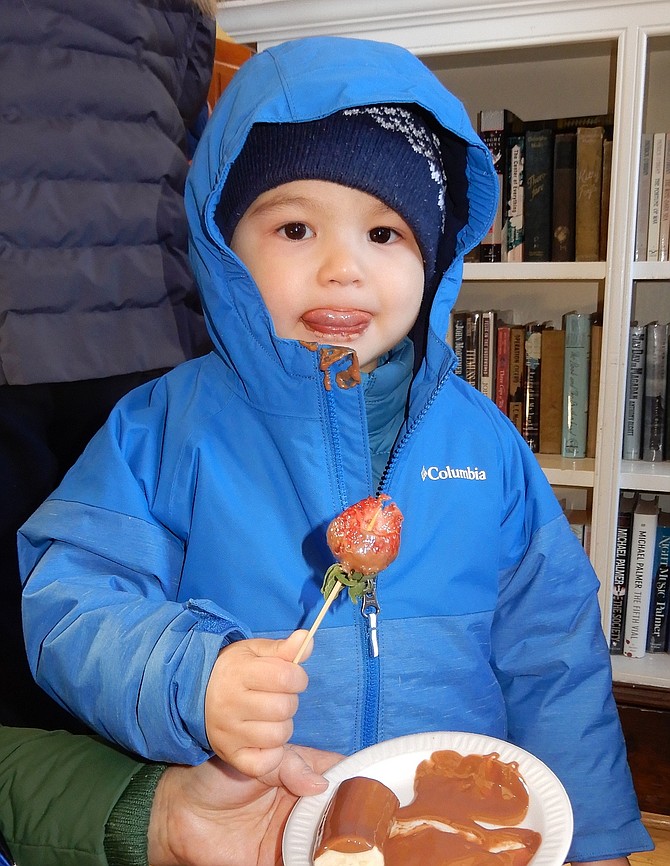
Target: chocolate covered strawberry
{"x":365,"y":539}
{"x":366,"y":536}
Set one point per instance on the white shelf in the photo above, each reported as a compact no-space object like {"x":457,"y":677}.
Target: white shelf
{"x":651,"y":271}
{"x":567,"y":472}
{"x":641,"y":475}
{"x":653,"y":669}
{"x":501,"y":271}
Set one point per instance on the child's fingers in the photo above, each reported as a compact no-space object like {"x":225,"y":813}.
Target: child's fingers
{"x":266,"y":706}
{"x":285,"y":648}
{"x":290,"y":646}
{"x":256,"y":762}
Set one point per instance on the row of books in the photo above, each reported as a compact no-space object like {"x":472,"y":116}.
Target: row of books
{"x":646,"y":434}
{"x":640,"y":597}
{"x":545,"y":379}
{"x":554,"y":187}
{"x":652,"y":232}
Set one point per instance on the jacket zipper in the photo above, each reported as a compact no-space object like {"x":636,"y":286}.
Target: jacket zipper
{"x":370,"y":608}
{"x":369,"y":611}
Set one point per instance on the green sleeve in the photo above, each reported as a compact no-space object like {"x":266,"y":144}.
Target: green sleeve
{"x":57,"y":792}
{"x":128,"y":824}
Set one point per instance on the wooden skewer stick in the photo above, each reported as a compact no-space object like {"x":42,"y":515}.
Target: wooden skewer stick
{"x":335,"y":591}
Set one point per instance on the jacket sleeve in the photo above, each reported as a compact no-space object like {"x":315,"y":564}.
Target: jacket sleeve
{"x":552,"y":662}
{"x":104,"y":632}
{"x":57,"y":791}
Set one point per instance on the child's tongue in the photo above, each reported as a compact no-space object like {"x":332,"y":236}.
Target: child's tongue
{"x":329,"y":322}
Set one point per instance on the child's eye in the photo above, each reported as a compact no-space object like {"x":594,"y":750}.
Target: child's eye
{"x":383,"y":235}
{"x":296,"y":231}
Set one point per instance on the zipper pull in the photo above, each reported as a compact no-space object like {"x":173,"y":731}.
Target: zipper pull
{"x":370,"y":610}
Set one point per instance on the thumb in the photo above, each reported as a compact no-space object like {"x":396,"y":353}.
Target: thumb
{"x":288,"y":648}
{"x":296,"y":775}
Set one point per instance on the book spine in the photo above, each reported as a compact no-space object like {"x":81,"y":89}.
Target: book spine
{"x":620,"y":580}
{"x":655,"y":386}
{"x":551,"y":390}
{"x":471,"y":370}
{"x":492,"y":133}
{"x":459,"y":318}
{"x":655,"y":194}
{"x":487,"y":353}
{"x":516,"y":369}
{"x":645,"y":521}
{"x":632,"y":429}
{"x":664,"y":230}
{"x":594,"y":388}
{"x":537,"y":195}
{"x":513,"y":229}
{"x":502,"y":366}
{"x":575,"y":383}
{"x":571,"y":124}
{"x":531,"y":385}
{"x":657,"y":632}
{"x":563,"y":203}
{"x":643,"y":192}
{"x":589,"y":187}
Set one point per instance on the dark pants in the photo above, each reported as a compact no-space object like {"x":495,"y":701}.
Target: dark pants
{"x":43,"y":429}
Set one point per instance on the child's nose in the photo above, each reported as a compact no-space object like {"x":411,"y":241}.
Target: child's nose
{"x":341,"y":264}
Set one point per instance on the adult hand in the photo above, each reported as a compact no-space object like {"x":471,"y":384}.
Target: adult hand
{"x":212,"y":815}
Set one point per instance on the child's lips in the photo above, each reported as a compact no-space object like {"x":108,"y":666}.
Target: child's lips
{"x":337,"y":323}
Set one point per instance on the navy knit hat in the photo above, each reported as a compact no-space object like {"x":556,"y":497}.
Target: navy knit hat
{"x":388,"y":151}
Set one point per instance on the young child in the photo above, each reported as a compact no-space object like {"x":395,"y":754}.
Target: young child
{"x":331,"y":200}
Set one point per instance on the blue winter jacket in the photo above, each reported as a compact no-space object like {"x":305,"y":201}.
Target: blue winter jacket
{"x":197,"y":516}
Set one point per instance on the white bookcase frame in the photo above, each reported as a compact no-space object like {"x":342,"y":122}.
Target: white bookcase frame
{"x":438,"y":29}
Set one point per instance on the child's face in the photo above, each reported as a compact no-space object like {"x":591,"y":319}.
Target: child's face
{"x":333,"y":265}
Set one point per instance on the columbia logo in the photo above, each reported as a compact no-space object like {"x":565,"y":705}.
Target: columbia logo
{"x":436,"y":473}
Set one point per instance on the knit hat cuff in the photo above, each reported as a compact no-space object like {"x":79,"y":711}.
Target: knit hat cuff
{"x":387,"y":151}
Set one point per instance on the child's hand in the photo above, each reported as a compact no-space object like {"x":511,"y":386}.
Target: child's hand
{"x":251,"y":698}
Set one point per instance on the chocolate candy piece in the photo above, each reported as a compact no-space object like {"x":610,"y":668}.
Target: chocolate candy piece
{"x":356,"y":824}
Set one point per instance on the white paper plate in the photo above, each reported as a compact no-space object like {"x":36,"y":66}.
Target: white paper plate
{"x":394,"y":763}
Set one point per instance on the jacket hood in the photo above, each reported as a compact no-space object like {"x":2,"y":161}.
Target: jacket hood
{"x":304,"y":80}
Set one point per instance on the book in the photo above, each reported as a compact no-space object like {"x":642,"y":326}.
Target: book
{"x":659,"y":604}
{"x":539,"y":153}
{"x":655,"y":194}
{"x":589,"y":158}
{"x":513,"y":231}
{"x":487,"y":352}
{"x":605,"y":198}
{"x":502,"y":366}
{"x":494,"y":127}
{"x":655,"y":387}
{"x":531,"y":385}
{"x":643,"y":536}
{"x":664,"y":230}
{"x":458,"y":318}
{"x":577,"y":328}
{"x":594,"y":387}
{"x":571,"y":124}
{"x":563,"y":200}
{"x":643,"y":190}
{"x":517,"y":339}
{"x":632,"y":419}
{"x":471,"y":357}
{"x":580,"y":524}
{"x":621,"y":569}
{"x":551,"y":390}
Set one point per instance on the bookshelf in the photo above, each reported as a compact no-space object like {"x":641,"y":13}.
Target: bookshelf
{"x":541,"y":60}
